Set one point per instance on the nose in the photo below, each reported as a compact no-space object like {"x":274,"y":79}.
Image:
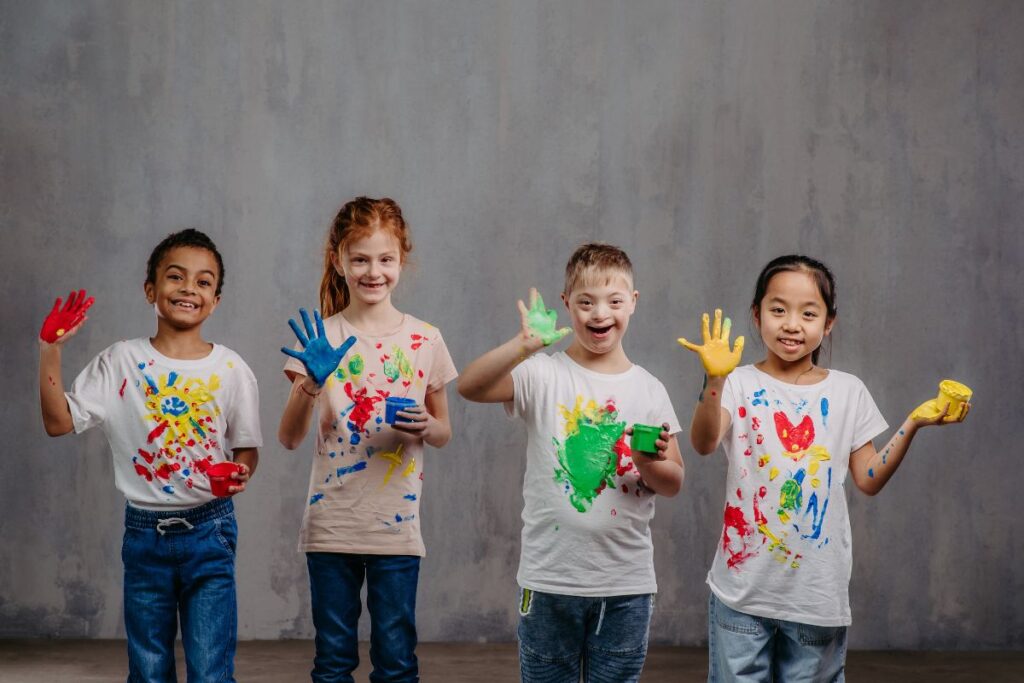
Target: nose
{"x":791,"y":323}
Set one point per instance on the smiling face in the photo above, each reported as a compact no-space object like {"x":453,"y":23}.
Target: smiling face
{"x":600,"y":306}
{"x":792,"y":318}
{"x":371,"y":266}
{"x":184,"y":288}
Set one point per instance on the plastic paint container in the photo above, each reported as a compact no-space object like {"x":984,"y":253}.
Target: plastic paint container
{"x":392,"y":404}
{"x":220,"y":477}
{"x":644,"y":437}
{"x":954,"y":394}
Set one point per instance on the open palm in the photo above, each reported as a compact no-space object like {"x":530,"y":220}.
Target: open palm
{"x":714,"y":353}
{"x":319,"y":357}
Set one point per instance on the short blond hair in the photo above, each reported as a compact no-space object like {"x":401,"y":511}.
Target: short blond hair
{"x":593,"y":260}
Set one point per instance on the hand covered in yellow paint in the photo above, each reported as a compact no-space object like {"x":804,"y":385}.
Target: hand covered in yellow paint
{"x":538,"y":323}
{"x":928,"y":414}
{"x":714,"y":353}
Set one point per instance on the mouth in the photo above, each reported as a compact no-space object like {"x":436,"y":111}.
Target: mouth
{"x":790,"y":344}
{"x":599,"y":331}
{"x":373,"y":286}
{"x":185,"y":305}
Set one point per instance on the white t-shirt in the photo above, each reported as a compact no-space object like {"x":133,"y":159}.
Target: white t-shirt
{"x":785,"y":551}
{"x":167,"y":420}
{"x":586,"y":512}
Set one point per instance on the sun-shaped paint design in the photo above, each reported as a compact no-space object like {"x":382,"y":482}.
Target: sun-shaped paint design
{"x":182,"y":412}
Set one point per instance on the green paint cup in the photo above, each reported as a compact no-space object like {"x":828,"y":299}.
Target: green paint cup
{"x":644,"y":437}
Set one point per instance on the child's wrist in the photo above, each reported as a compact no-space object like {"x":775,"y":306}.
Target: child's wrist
{"x":309,"y":387}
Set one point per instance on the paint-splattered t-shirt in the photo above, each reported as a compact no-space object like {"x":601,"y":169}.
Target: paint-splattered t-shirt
{"x":367,"y":478}
{"x":785,"y":550}
{"x":586,"y":512}
{"x":167,"y":420}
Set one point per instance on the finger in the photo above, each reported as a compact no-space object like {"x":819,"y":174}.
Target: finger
{"x":88,"y":304}
{"x":688,"y":345}
{"x":346,"y":345}
{"x":562,"y":333}
{"x":665,"y":435}
{"x":534,"y":295}
{"x":307,"y":323}
{"x":726,"y":328}
{"x":291,"y":352}
{"x":716,"y":331}
{"x":539,"y":301}
{"x":56,"y":307}
{"x":628,"y":431}
{"x":69,"y":304}
{"x":410,"y":427}
{"x":966,"y":409}
{"x":705,"y":331}
{"x":737,"y":350}
{"x":303,"y":339}
{"x":320,"y":332}
{"x":523,"y":310}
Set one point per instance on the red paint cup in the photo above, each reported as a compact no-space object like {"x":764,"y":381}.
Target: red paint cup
{"x":220,"y":477}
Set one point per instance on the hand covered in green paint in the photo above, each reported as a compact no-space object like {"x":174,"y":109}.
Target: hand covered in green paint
{"x":319,"y":357}
{"x":718,"y":360}
{"x":539,"y":322}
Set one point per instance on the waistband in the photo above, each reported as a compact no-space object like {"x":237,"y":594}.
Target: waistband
{"x":137,"y":518}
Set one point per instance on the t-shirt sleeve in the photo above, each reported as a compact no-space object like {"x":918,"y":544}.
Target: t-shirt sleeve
{"x":242,"y":412}
{"x":730,"y":397}
{"x":89,"y":393}
{"x":442,"y":368}
{"x":869,"y":420}
{"x":524,"y":378}
{"x":662,"y":410}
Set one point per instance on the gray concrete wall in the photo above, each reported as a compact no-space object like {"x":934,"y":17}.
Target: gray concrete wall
{"x":706,"y":137}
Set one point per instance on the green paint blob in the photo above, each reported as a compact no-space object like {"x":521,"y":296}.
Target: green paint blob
{"x":391,"y":370}
{"x":588,"y":460}
{"x":402,"y":362}
{"x":791,"y":496}
{"x":356,"y":365}
{"x":543,"y":322}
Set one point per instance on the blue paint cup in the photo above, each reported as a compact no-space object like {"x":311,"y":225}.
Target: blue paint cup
{"x":392,"y":404}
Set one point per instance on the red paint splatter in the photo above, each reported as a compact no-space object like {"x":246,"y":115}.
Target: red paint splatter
{"x":739,"y":493}
{"x":363,"y":408}
{"x":742,"y":411}
{"x":157,"y":431}
{"x":794,"y":439}
{"x":748,"y":451}
{"x":379,"y":345}
{"x":202,"y":465}
{"x":622,"y":449}
{"x":420,"y":373}
{"x":733,"y":519}
{"x":417,"y":341}
{"x":148,"y":457}
{"x":143,"y":472}
{"x":760,"y":439}
{"x":755,"y":423}
{"x":614,"y":512}
{"x":625,"y":489}
{"x":123,"y":385}
{"x":714,"y":394}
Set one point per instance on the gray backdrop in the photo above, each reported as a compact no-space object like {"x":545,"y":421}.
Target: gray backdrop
{"x":706,"y":137}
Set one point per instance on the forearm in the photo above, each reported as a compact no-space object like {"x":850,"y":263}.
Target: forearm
{"x":440,"y":435}
{"x":249,"y":457}
{"x":479,"y":378}
{"x":298,"y":412}
{"x":877,"y":469}
{"x":664,"y":477}
{"x":706,"y":426}
{"x":54,"y":404}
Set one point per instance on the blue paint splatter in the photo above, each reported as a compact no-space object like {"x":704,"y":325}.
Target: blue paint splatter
{"x":168,"y":489}
{"x":759,"y":398}
{"x":355,"y":438}
{"x":369,"y":451}
{"x":824,"y":411}
{"x":151,"y":383}
{"x":379,"y":419}
{"x":901,"y":432}
{"x":871,"y":472}
{"x":315,"y":498}
{"x":341,"y":439}
{"x":172,"y":378}
{"x":342,"y":471}
{"x":142,"y":366}
{"x":410,"y":496}
{"x":801,"y":406}
{"x":186,"y":472}
{"x":198,"y":428}
{"x":331,"y":454}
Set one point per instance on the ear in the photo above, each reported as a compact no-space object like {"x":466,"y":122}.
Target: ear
{"x":755,"y":311}
{"x":828,"y":326}
{"x":336,"y":262}
{"x":565,"y":300}
{"x":150,"y":289}
{"x":216,"y":302}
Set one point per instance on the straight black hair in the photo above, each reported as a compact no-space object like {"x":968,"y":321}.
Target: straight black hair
{"x":816,"y":269}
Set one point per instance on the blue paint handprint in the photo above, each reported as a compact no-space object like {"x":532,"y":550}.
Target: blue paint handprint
{"x":172,"y":405}
{"x":319,"y":357}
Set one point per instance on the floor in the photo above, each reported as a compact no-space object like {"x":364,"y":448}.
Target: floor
{"x":91,"y":661}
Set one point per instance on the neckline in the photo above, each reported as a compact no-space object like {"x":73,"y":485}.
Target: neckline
{"x":794,"y":386}
{"x":362,"y":333}
{"x":181,"y":362}
{"x":595,"y":373}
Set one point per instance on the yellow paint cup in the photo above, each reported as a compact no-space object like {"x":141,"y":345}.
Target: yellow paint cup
{"x":954,"y":394}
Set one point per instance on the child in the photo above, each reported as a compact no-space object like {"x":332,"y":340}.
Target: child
{"x":362,"y":519}
{"x":779,"y":605}
{"x":586,"y":570}
{"x":171,"y":406}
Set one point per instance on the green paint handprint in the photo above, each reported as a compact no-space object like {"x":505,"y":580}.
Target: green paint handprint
{"x":587,"y":461}
{"x":718,"y":360}
{"x":540,"y":322}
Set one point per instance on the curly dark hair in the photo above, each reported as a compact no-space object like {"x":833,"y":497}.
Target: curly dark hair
{"x":190,"y":237}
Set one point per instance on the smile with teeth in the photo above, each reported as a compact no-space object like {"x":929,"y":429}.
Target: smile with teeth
{"x":371,"y":285}
{"x":790,"y":343}
{"x":187,"y":305}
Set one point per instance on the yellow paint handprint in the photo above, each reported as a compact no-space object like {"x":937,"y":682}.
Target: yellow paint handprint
{"x":718,"y":360}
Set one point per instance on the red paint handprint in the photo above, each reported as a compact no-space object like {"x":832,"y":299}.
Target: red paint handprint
{"x":61,"y":323}
{"x":794,"y":439}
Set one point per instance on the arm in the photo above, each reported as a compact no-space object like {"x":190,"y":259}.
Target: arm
{"x":488,"y":379}
{"x":871,"y":470}
{"x":320,"y":360}
{"x":432,"y":424}
{"x":711,"y":421}
{"x":248,"y":458}
{"x":60,"y":325}
{"x":664,"y":472}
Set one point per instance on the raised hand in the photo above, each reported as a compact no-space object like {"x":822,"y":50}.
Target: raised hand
{"x":718,"y":360}
{"x":539,"y":322}
{"x":319,"y":357}
{"x":62,"y":323}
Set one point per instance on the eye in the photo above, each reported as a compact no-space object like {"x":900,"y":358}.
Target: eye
{"x":777,"y":310}
{"x":204,"y":283}
{"x":810,"y":314}
{"x":173,"y":276}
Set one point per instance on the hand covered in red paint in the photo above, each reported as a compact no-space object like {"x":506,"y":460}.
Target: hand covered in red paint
{"x":661,"y":443}
{"x":62,"y":323}
{"x":241,"y":476}
{"x":714,"y":353}
{"x":423,"y":424}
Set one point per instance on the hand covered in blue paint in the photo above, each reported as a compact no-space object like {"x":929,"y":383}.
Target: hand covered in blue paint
{"x":319,"y":357}
{"x":539,"y":322}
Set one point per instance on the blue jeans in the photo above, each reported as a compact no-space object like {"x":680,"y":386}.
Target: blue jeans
{"x":180,"y":563}
{"x":335,"y":580}
{"x":562,"y":637}
{"x":742,"y":647}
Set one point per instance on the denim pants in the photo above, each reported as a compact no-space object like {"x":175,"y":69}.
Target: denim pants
{"x":563,"y":637}
{"x":335,"y":581}
{"x":742,"y":647}
{"x":180,"y":564}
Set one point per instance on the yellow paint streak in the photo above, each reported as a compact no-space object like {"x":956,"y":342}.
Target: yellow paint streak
{"x":395,"y":457}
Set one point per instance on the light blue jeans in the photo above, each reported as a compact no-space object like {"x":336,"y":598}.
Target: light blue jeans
{"x":562,"y":637}
{"x":742,"y":647}
{"x":180,"y":566}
